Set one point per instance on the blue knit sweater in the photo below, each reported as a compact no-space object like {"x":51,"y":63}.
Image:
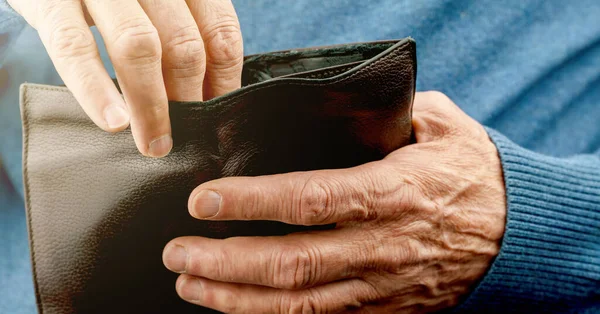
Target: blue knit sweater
{"x":527,"y":69}
{"x":550,"y":255}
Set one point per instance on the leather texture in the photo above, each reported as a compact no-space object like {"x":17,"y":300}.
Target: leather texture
{"x":100,"y":214}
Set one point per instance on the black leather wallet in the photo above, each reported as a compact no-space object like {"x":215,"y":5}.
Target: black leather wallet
{"x":100,"y":214}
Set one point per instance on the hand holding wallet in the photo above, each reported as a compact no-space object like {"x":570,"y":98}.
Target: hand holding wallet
{"x":99,"y":213}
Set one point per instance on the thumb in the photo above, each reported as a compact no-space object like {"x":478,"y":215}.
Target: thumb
{"x":436,"y":116}
{"x":301,"y":198}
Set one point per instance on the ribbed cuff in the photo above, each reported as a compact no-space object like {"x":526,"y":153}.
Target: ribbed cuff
{"x":549,"y":260}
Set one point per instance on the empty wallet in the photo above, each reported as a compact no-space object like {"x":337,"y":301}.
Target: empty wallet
{"x":99,"y":213}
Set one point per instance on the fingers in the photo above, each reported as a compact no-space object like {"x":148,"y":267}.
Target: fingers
{"x":134,"y":46}
{"x":301,"y":198}
{"x":70,"y":44}
{"x":183,"y":60}
{"x":220,"y":29}
{"x":436,"y":116}
{"x":290,"y":262}
{"x":335,"y":297}
{"x":135,"y":41}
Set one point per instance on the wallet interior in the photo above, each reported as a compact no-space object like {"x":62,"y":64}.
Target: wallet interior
{"x":100,"y":214}
{"x":309,"y":63}
{"x":314,"y":63}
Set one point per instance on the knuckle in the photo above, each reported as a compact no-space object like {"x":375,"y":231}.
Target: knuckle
{"x":137,"y":41}
{"x":396,"y":263}
{"x":438,"y":122}
{"x":412,"y":194}
{"x":67,"y":41}
{"x":315,"y":202}
{"x":442,"y":110}
{"x":224,"y":43}
{"x":293,"y":270}
{"x":185,"y":49}
{"x":226,"y":302}
{"x":48,"y":10}
{"x":374,"y":192}
{"x":219,"y":264}
{"x":447,"y":116}
{"x":428,"y":287}
{"x":305,"y":304}
{"x":154,"y":114}
{"x":47,"y":7}
{"x":257,"y":203}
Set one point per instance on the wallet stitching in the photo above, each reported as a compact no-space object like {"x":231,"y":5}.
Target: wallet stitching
{"x":390,"y":42}
{"x":318,"y":84}
{"x":317,"y":50}
{"x":330,"y":73}
{"x":318,"y":74}
{"x":276,"y":82}
{"x":225,"y":103}
{"x":28,"y":198}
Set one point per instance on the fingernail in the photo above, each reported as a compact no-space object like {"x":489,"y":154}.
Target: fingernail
{"x":176,"y":258}
{"x":161,"y":146}
{"x":190,"y":289}
{"x":206,"y":204}
{"x":115,"y":116}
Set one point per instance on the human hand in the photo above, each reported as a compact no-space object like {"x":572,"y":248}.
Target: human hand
{"x":161,"y":50}
{"x":414,"y":232}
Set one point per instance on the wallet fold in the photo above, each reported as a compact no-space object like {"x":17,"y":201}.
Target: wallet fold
{"x":99,"y":213}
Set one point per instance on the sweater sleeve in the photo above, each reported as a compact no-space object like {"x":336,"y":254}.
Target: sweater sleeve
{"x":11,"y":23}
{"x":549,"y":261}
{"x":8,"y":16}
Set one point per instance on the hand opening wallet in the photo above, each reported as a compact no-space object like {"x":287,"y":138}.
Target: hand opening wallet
{"x":99,"y":213}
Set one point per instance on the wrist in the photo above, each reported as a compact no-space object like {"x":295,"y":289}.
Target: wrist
{"x":551,"y":239}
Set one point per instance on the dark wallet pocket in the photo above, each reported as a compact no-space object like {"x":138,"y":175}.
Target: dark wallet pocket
{"x":100,"y":214}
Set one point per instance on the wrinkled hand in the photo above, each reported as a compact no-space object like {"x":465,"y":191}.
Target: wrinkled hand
{"x":414,"y":233}
{"x":184,"y":50}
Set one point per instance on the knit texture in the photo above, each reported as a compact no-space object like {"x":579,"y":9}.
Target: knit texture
{"x":527,"y":68}
{"x":9,"y":15}
{"x":549,"y":261}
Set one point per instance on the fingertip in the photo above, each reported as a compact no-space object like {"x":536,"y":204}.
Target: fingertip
{"x":204,"y":186}
{"x":204,"y":204}
{"x":181,"y":281}
{"x":160,"y":146}
{"x":116,"y":118}
{"x":169,"y":245}
{"x":151,"y":130}
{"x":191,"y":201}
{"x":189,"y":288}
